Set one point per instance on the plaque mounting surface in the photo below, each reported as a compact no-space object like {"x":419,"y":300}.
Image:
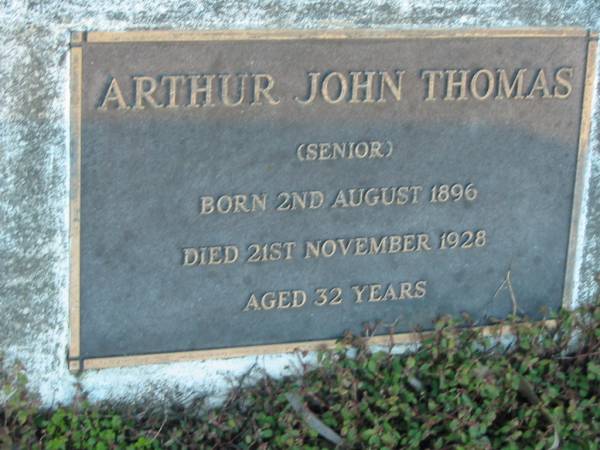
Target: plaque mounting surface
{"x":249,"y":192}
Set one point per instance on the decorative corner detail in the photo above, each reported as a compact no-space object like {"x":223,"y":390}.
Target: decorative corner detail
{"x":75,"y":364}
{"x":78,"y":38}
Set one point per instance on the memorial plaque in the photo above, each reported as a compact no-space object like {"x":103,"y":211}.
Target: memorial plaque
{"x":249,"y":192}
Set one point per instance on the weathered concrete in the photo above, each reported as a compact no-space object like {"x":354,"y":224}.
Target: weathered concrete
{"x":34,"y":37}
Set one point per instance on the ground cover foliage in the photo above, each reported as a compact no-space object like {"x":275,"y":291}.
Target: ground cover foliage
{"x":458,"y":390}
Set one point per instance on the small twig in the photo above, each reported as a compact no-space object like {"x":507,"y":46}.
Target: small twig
{"x":240,"y":383}
{"x":582,"y":355}
{"x":389,"y":326}
{"x":312,"y":420}
{"x":393,"y":324}
{"x":369,"y":333}
{"x":511,"y":292}
{"x":160,"y":429}
{"x":527,"y":391}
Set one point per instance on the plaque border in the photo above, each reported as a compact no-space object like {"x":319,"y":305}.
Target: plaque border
{"x":77,"y":363}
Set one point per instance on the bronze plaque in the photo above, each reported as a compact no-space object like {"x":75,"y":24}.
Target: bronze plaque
{"x":247,"y":192}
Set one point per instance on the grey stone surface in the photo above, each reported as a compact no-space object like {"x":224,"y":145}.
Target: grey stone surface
{"x":34,"y":160}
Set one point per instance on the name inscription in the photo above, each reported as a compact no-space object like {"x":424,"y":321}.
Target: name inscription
{"x":237,"y":194}
{"x":332,"y":87}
